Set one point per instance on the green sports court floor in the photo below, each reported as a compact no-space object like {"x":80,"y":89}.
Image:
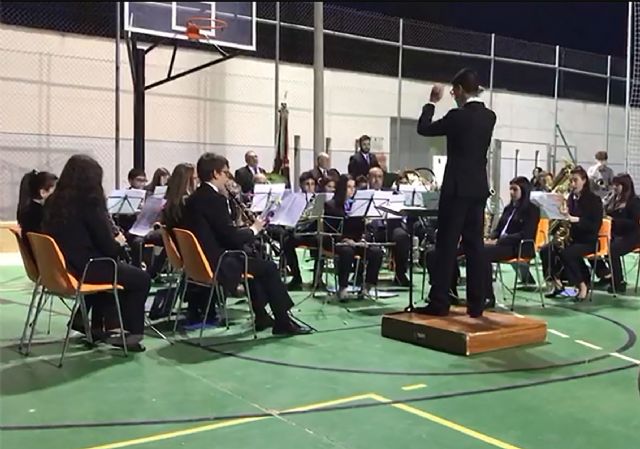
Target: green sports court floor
{"x":342,"y":387}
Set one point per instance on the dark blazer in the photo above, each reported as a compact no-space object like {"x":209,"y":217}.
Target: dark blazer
{"x":589,"y":208}
{"x":244,"y":178}
{"x":317,"y":173}
{"x":206,"y":214}
{"x":87,"y":236}
{"x":469,"y":130}
{"x":30,"y":220}
{"x":358,"y":165}
{"x":523,"y":225}
{"x":352,"y":228}
{"x":626,"y":221}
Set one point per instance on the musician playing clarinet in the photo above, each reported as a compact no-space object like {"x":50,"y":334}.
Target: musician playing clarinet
{"x":464,"y":191}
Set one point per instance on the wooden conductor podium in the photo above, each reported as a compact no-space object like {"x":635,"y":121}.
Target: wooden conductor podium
{"x":460,"y":334}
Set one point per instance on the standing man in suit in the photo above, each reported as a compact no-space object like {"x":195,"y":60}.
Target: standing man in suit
{"x":465,"y":189}
{"x":208,"y":216}
{"x":361,"y":162}
{"x":245,"y":175}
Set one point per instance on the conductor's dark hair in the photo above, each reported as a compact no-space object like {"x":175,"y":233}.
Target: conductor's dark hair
{"x":468,"y":80}
{"x":209,"y":163}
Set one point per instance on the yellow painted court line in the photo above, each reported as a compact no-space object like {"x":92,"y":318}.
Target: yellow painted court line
{"x":222,"y":424}
{"x":446,"y":423}
{"x":413,"y":387}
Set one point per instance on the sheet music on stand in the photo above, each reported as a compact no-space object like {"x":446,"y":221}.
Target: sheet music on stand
{"x":549,"y":204}
{"x":160,"y":191}
{"x":264,"y":194}
{"x":362,"y":201}
{"x":290,"y":210}
{"x":149,"y":215}
{"x":382,"y":198}
{"x":317,"y":204}
{"x":125,"y":201}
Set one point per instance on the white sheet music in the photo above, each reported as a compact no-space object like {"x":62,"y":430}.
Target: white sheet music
{"x":125,"y":201}
{"x":289,"y":212}
{"x":149,"y":215}
{"x":160,"y":191}
{"x":361,"y":203}
{"x":412,"y":194}
{"x":549,"y":204}
{"x":264,"y":194}
{"x":384,"y":198}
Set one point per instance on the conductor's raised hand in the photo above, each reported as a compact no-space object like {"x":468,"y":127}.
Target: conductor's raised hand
{"x":437,"y":91}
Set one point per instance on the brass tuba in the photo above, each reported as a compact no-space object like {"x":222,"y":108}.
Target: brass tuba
{"x":560,"y":230}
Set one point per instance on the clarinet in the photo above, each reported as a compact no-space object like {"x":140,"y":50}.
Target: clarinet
{"x":125,"y":250}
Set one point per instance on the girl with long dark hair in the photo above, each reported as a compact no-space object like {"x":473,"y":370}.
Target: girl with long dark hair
{"x":76,"y":217}
{"x":35,"y":188}
{"x":182,"y":183}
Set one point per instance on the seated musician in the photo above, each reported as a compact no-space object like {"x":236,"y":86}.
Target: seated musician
{"x":159,"y":179}
{"x":519,"y":221}
{"x":290,"y":241}
{"x":76,"y":217}
{"x":390,"y":231}
{"x":35,"y":188}
{"x":624,"y":210}
{"x":327,"y":185}
{"x":352,"y":233}
{"x":207,"y":215}
{"x":584,"y":214}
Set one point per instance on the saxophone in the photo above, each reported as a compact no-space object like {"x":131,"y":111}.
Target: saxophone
{"x":560,"y":230}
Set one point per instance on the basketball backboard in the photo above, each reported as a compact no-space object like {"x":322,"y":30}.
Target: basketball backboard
{"x":226,"y":24}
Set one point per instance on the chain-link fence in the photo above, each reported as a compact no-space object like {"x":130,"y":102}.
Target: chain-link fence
{"x":57,"y":85}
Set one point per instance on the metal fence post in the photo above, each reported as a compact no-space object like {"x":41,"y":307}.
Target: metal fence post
{"x":606,"y":128}
{"x":399,"y":118}
{"x":117,"y":94}
{"x":277,"y":76}
{"x":555,"y":98}
{"x":493,"y":61}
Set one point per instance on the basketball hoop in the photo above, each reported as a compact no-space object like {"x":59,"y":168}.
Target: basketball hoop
{"x":196,"y":25}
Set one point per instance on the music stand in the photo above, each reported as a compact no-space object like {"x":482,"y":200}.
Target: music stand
{"x":125,"y":202}
{"x":415,"y":213}
{"x":264,"y":194}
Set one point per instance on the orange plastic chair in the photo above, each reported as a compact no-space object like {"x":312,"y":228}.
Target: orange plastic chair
{"x":34,"y":276}
{"x":198,"y":271}
{"x":176,"y":264}
{"x":602,"y":252}
{"x":541,"y":238}
{"x":637,"y":251}
{"x":56,"y":280}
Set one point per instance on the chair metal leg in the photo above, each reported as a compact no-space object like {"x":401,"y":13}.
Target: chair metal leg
{"x":74,"y":310}
{"x":537,"y":270}
{"x":499,"y":276}
{"x":34,"y":295}
{"x":593,"y":277}
{"x":50,"y":314}
{"x":637,"y":275}
{"x":613,"y":278}
{"x":253,"y":315}
{"x":515,"y":284}
{"x":35,"y":321}
{"x":122,"y":332}
{"x":206,"y":312}
{"x":180,"y":293}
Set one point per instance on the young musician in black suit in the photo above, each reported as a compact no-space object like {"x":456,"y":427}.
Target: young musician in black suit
{"x":337,"y":209}
{"x":207,"y":214}
{"x":464,"y":190}
{"x":35,"y":188}
{"x":244,"y":176}
{"x":624,"y":210}
{"x":519,"y":221}
{"x":584,"y":212}
{"x":76,"y":218}
{"x":361,"y":162}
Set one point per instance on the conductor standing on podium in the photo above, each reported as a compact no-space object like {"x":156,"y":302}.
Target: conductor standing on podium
{"x":464,"y":190}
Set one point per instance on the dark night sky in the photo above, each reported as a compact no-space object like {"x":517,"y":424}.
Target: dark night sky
{"x":598,"y":27}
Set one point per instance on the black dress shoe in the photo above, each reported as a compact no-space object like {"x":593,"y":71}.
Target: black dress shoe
{"x":474,"y":313}
{"x":401,"y":281}
{"x":433,"y":310}
{"x":290,"y":328}
{"x":263,"y":322}
{"x":132,"y":347}
{"x":295,"y":284}
{"x":620,"y":288}
{"x":490,"y":303}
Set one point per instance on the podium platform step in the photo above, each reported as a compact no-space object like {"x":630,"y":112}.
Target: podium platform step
{"x":460,"y":334}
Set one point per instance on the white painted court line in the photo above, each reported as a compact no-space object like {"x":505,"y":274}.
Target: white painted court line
{"x":624,"y":357}
{"x":413,"y":387}
{"x":559,"y":334}
{"x":588,"y":345}
{"x":518,"y":315}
